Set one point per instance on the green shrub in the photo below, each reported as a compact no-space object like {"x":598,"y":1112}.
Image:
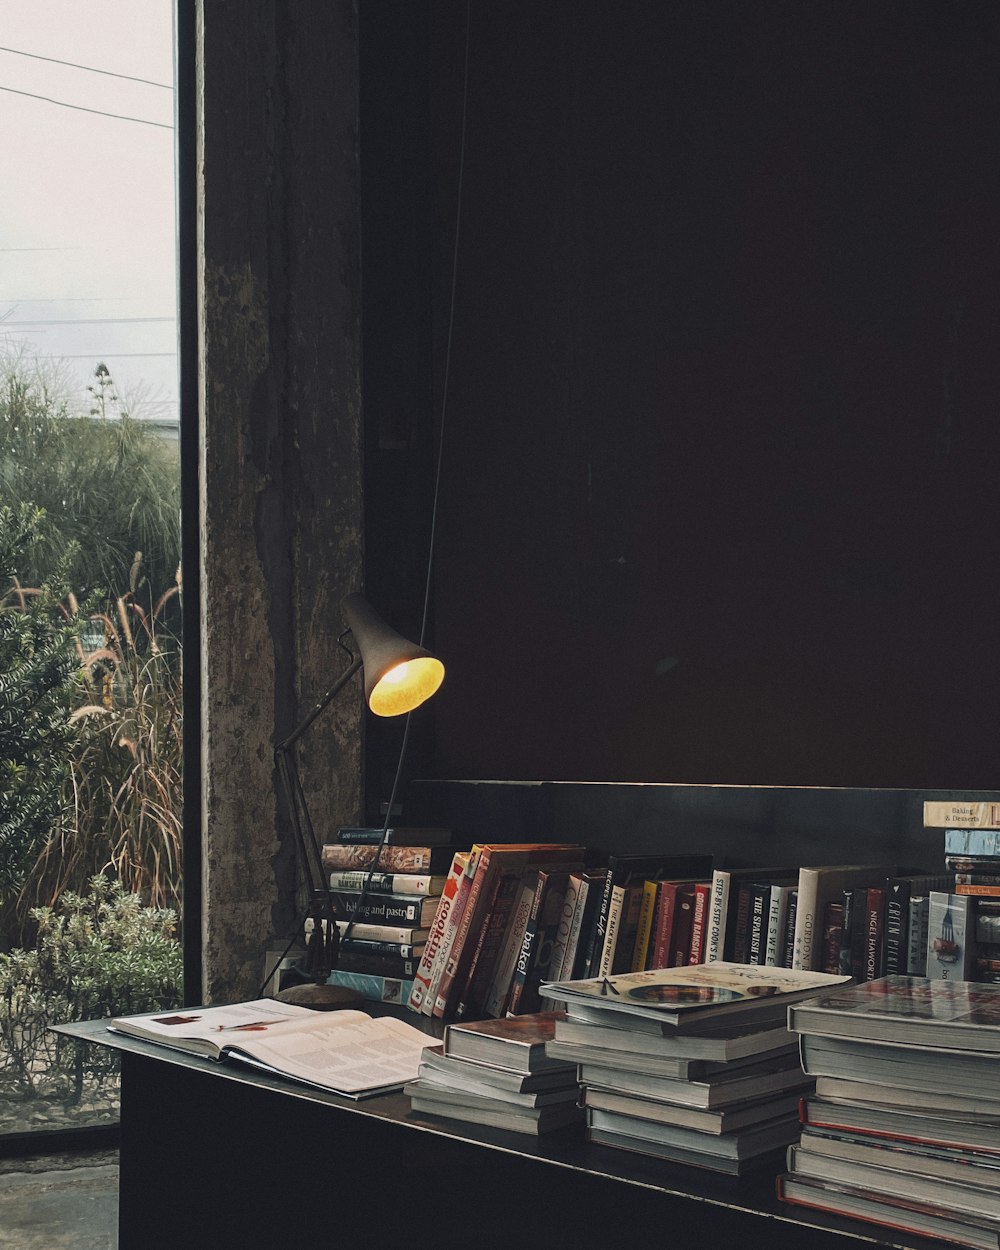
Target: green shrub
{"x":97,"y":955}
{"x":37,"y":680}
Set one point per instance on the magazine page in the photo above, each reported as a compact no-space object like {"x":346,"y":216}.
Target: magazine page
{"x":345,"y":1052}
{"x":207,"y":1030}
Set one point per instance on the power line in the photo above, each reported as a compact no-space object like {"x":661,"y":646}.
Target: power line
{"x":122,"y":117}
{"x":104,"y":355}
{"x":89,"y":321}
{"x":89,"y":68}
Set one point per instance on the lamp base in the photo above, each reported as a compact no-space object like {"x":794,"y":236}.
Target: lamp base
{"x":320,"y":997}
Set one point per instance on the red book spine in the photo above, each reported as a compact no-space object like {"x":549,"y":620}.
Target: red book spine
{"x":701,"y":893}
{"x":666,"y":910}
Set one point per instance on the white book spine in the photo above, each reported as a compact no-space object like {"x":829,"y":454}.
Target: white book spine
{"x":805,"y":920}
{"x":718,"y":907}
{"x":774,"y":952}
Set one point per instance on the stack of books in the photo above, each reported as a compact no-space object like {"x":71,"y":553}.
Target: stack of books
{"x":497,"y":1072}
{"x":971,"y":832}
{"x":694,"y":1064}
{"x":390,"y":888}
{"x":903,"y":1129}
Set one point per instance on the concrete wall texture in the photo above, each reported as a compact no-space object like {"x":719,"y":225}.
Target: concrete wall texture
{"x":280,"y":438}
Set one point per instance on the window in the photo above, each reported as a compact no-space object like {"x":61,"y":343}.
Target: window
{"x":90,"y":656}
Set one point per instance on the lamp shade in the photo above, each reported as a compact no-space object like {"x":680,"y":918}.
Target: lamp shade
{"x":399,"y":675}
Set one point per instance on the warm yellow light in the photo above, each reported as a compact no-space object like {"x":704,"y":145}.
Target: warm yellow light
{"x":405,"y":686}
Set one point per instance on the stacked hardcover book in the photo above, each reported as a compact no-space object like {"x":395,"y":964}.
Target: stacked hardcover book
{"x":694,"y":1064}
{"x":497,"y":1073}
{"x":903,"y":1129}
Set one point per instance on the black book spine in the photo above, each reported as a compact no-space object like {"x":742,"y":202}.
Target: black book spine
{"x":897,"y":927}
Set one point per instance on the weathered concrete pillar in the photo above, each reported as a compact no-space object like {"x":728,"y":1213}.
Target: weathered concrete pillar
{"x":279,"y":251}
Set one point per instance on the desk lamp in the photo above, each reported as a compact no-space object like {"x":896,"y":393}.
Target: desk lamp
{"x":398,"y":677}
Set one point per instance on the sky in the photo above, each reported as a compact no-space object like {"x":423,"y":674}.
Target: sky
{"x":87,"y":236}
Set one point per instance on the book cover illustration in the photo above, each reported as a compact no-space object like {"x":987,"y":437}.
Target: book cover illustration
{"x":948,"y":1004}
{"x":529,"y":1030}
{"x":688,"y":989}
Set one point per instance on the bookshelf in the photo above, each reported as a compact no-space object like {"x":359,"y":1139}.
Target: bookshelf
{"x":224,"y":1156}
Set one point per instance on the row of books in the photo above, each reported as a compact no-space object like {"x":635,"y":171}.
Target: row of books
{"x":545,"y":911}
{"x":514,"y":916}
{"x":902,"y":1129}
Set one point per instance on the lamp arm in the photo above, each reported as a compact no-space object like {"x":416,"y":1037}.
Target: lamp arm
{"x":325,"y":939}
{"x":324,"y":703}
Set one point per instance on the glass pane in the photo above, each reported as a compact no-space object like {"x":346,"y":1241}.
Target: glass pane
{"x":90,"y":587}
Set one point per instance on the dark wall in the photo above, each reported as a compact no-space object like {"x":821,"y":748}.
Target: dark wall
{"x":721,"y":443}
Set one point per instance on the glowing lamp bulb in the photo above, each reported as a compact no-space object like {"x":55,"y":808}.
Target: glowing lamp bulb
{"x":405,"y":686}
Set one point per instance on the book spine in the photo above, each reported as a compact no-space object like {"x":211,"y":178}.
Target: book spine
{"x":977,"y":891}
{"x":528,"y":945}
{"x":422,"y":977}
{"x":379,"y":989}
{"x":987,"y":928}
{"x":576,"y":931}
{"x":897,"y":918}
{"x":417,"y":910}
{"x":387,"y":882}
{"x":737,"y":941}
{"x":380,"y":965}
{"x":972,"y":815}
{"x":355,"y":857}
{"x":978,"y":843}
{"x":562,"y":955}
{"x":833,"y":932}
{"x":683,"y":923}
{"x":398,"y":950}
{"x":503,"y":974}
{"x":644,"y":930}
{"x":875,"y":906}
{"x":601,"y":922}
{"x":612,"y":923}
{"x":488,"y":943}
{"x":760,"y":902}
{"x":916,"y":938}
{"x":459,"y":924}
{"x":791,"y":920}
{"x":847,"y":928}
{"x":541,"y":959}
{"x":718,"y":908}
{"x":666,"y":908}
{"x":405,"y":935}
{"x":588,"y":931}
{"x":352,"y":835}
{"x":701,"y":901}
{"x":628,"y":926}
{"x":777,"y":914}
{"x":803,"y":952}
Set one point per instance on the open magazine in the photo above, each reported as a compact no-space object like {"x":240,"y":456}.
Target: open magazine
{"x":719,"y":992}
{"x":346,"y":1052}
